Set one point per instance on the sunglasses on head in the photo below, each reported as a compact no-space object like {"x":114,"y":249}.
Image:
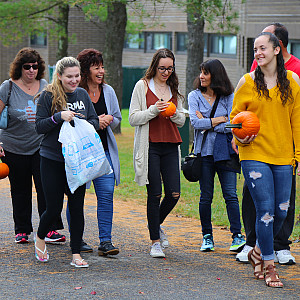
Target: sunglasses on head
{"x":28,"y":67}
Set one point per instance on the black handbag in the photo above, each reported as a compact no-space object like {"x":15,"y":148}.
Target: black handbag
{"x":191,"y":166}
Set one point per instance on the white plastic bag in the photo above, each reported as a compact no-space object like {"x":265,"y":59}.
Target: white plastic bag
{"x":84,"y":155}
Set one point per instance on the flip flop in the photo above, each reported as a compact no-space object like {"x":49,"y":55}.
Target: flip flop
{"x":73,"y":263}
{"x":43,"y":252}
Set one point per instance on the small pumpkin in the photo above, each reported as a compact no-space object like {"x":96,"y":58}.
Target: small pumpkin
{"x":245,"y":123}
{"x":170,"y":110}
{"x":4,"y":170}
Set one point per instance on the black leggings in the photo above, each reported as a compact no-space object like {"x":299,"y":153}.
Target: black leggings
{"x":163,"y":165}
{"x":55,"y":186}
{"x":22,"y":168}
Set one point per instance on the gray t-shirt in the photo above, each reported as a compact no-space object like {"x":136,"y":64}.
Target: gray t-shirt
{"x":20,"y":137}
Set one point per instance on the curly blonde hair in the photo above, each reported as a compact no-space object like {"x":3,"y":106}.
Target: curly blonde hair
{"x":59,"y":97}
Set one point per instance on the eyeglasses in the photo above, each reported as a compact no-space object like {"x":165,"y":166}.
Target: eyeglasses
{"x":163,"y":69}
{"x":28,"y":67}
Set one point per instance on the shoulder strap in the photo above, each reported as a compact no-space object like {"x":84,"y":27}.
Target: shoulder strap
{"x":212,"y":113}
{"x":9,"y":92}
{"x":214,"y":107}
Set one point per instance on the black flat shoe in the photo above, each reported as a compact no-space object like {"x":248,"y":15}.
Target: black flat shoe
{"x":107,"y":248}
{"x":84,"y":247}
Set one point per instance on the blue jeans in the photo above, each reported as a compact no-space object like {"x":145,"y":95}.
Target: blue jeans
{"x":104,"y":188}
{"x":228,"y":185}
{"x":270,"y":188}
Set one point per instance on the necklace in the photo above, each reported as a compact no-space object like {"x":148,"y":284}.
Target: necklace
{"x":209,"y":97}
{"x":162,"y":92}
{"x":26,"y":85}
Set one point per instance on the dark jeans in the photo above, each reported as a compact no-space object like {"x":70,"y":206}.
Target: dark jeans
{"x":228,"y":185}
{"x":163,"y":165}
{"x":281,"y":240}
{"x":22,"y":168}
{"x":55,"y":186}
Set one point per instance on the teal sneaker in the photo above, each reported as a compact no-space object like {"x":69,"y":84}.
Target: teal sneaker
{"x":208,"y":243}
{"x":238,"y":242}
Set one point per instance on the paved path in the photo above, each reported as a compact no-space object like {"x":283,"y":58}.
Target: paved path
{"x":186,"y":273}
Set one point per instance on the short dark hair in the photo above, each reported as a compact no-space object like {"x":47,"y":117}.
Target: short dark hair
{"x":87,"y":58}
{"x":281,"y":33}
{"x":24,"y":56}
{"x":220,"y":82}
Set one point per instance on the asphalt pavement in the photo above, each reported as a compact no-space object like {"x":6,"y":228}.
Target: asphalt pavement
{"x":185,"y":273}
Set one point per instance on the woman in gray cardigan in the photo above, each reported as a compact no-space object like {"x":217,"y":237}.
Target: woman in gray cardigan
{"x":156,"y":152}
{"x":107,"y":108}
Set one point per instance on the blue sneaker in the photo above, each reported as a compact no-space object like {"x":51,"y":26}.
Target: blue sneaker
{"x":208,"y":243}
{"x":238,"y":242}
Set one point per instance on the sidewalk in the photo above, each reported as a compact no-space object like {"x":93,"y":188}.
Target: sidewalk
{"x":186,"y":273}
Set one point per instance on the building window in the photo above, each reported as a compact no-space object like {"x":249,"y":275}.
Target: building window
{"x":223,"y":44}
{"x":294,"y":48}
{"x":134,"y":41}
{"x":38,"y":40}
{"x":156,"y":40}
{"x":182,"y":39}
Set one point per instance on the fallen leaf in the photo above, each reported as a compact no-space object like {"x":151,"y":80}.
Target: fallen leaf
{"x":218,"y":278}
{"x":93,"y":293}
{"x":78,"y":288}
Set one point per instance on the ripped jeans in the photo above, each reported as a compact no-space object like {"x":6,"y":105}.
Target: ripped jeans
{"x":270,"y":187}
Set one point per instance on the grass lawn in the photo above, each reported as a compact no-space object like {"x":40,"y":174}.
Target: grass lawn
{"x":190,"y":192}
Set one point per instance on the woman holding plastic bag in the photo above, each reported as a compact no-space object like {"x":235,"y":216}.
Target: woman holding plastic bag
{"x":61,"y":101}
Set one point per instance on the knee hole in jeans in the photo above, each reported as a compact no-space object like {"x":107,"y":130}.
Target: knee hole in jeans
{"x":175,"y":195}
{"x":285,"y":205}
{"x":267,"y":218}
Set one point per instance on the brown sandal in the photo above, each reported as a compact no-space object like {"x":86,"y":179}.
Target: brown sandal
{"x":271,"y":276}
{"x":257,"y":274}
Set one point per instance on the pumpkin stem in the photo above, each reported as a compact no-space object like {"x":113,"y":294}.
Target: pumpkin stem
{"x":238,"y":125}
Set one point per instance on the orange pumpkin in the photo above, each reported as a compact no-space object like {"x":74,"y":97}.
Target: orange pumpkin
{"x":4,"y":170}
{"x":245,"y":123}
{"x":170,"y":110}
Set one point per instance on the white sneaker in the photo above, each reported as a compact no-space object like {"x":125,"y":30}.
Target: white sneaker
{"x":156,"y":250}
{"x":163,"y":238}
{"x":243,"y":255}
{"x":284,"y":257}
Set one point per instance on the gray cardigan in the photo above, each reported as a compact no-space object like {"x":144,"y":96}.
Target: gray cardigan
{"x":139,"y":117}
{"x":113,"y":109}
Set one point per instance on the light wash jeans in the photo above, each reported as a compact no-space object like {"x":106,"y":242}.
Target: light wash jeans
{"x":270,"y":187}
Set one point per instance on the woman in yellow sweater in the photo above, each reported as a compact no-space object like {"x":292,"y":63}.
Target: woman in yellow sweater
{"x":268,"y":159}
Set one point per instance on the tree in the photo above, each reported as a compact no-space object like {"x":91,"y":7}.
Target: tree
{"x":219,"y":14}
{"x":25,"y":17}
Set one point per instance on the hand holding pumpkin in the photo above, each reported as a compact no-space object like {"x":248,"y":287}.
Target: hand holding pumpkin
{"x":167,"y":108}
{"x":2,"y":152}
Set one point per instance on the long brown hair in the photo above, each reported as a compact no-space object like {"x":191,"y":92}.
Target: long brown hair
{"x":173,"y":79}
{"x":283,"y":83}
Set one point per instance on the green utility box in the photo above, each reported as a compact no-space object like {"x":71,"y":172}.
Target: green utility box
{"x":131,"y":75}
{"x":185,"y":135}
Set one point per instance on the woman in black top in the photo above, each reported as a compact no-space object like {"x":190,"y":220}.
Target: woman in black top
{"x":61,"y":101}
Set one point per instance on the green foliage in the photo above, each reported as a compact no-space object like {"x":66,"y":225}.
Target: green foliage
{"x":28,"y":16}
{"x":219,"y":14}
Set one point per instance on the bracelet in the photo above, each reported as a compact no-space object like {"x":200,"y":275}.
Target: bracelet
{"x":52,"y":118}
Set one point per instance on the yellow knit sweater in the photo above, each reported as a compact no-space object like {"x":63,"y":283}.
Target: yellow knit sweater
{"x":279,"y":125}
